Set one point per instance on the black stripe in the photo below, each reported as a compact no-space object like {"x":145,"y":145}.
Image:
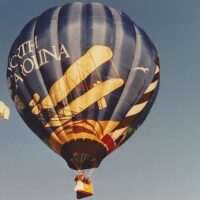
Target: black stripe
{"x":130,"y":119}
{"x":145,"y":97}
{"x":127,"y":121}
{"x":156,"y":77}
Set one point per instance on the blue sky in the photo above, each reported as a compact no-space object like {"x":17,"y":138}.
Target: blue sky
{"x":161,"y":161}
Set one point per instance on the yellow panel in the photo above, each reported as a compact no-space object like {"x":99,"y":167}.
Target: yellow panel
{"x":55,"y":143}
{"x":60,"y":133}
{"x":84,"y":135}
{"x":157,"y":69}
{"x":84,"y":101}
{"x":91,"y":96}
{"x":87,"y":124}
{"x":76,"y":73}
{"x":117,"y":133}
{"x":107,"y":126}
{"x":102,"y":102}
{"x":136,"y":109}
{"x":151,"y":87}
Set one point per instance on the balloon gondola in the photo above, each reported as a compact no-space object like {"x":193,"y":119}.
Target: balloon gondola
{"x":83,"y":78}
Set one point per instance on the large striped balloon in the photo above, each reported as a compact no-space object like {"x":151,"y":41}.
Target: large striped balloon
{"x":83,"y":77}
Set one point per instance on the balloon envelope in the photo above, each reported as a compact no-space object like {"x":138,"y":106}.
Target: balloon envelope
{"x":83,"y":77}
{"x":4,"y":111}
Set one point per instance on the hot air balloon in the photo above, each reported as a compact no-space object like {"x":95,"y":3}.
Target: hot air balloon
{"x":4,"y":111}
{"x":83,"y":78}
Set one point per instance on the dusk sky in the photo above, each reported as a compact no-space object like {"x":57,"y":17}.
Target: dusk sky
{"x":161,"y":160}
